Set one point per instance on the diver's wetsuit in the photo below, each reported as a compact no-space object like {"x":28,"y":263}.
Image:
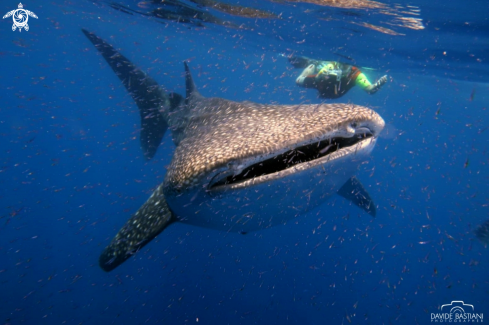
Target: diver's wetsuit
{"x":332,"y":79}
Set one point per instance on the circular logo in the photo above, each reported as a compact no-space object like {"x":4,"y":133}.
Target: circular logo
{"x":20,"y":18}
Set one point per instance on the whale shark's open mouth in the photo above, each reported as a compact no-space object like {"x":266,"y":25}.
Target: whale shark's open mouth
{"x":288,"y":159}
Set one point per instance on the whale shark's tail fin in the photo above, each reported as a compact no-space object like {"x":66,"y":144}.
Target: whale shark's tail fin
{"x":148,"y":95}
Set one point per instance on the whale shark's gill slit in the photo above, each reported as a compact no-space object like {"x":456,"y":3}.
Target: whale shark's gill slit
{"x":289,"y":159}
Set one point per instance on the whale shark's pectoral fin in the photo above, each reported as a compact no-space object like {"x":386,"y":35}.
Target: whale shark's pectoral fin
{"x":354,"y":191}
{"x":148,"y":95}
{"x":151,"y":218}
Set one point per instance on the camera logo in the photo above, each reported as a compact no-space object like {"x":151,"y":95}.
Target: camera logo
{"x":20,"y":17}
{"x":457,"y":312}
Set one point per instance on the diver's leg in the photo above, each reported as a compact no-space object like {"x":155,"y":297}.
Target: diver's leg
{"x":365,"y":84}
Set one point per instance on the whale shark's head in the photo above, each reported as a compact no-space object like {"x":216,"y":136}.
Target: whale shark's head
{"x":229,"y":147}
{"x":259,"y":143}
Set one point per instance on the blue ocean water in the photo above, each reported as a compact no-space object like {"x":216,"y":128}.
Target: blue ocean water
{"x":72,"y":172}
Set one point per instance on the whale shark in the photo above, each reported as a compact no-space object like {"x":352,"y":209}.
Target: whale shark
{"x":239,"y":166}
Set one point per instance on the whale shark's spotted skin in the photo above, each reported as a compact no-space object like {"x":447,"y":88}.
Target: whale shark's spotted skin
{"x":230,"y":131}
{"x":240,"y":166}
{"x":143,"y":226}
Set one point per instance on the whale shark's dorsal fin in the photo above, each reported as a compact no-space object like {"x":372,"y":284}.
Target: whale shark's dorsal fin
{"x":354,"y":191}
{"x":189,"y":84}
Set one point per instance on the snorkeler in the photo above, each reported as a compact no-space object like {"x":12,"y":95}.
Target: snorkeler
{"x":332,"y":79}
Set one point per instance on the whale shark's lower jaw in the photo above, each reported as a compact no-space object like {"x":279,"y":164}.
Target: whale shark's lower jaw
{"x":277,"y":165}
{"x":272,"y":199}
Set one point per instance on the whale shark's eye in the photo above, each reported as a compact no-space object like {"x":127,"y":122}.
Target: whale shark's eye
{"x":353,"y":124}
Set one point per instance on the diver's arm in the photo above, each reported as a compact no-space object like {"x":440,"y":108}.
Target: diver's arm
{"x":302,"y":61}
{"x":307,"y":78}
{"x":299,"y":61}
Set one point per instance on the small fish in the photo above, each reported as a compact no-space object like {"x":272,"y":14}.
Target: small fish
{"x":367,"y":68}
{"x":344,"y":56}
{"x":326,"y":149}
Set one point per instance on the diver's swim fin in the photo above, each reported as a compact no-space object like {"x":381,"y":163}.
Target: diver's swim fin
{"x":145,"y":91}
{"x":354,"y":191}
